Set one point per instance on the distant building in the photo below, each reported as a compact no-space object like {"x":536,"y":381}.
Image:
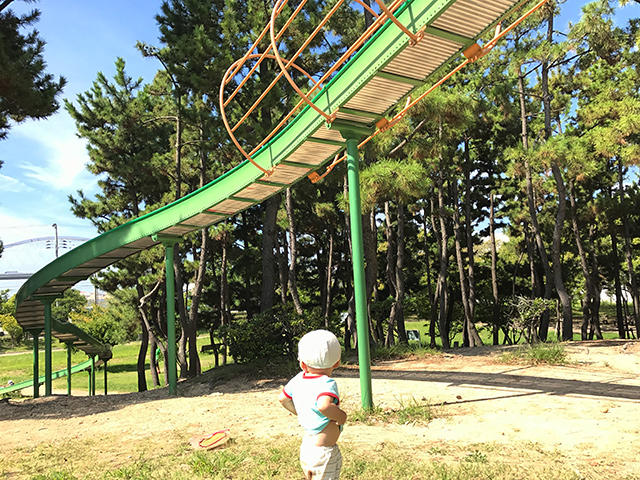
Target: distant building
{"x":96,"y":297}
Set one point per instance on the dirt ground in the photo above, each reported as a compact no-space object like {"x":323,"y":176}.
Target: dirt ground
{"x":589,"y":410}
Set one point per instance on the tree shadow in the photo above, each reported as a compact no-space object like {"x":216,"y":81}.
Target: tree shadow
{"x":484,"y":350}
{"x":535,"y":384}
{"x":227,"y":380}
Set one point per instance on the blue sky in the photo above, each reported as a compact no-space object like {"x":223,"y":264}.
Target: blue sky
{"x":44,"y":161}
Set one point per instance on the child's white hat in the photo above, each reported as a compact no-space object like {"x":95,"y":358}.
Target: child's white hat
{"x":319,"y":349}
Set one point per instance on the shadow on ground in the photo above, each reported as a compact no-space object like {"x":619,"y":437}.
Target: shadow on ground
{"x":234,"y":379}
{"x":530,"y":383}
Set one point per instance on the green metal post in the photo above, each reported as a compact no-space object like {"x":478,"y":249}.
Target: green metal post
{"x":89,"y":385}
{"x":69,"y":368}
{"x":169,"y":242}
{"x":105,"y":377}
{"x":93,"y":375}
{"x":359,"y":285}
{"x":47,"y":346}
{"x":171,"y":320}
{"x":36,"y":364}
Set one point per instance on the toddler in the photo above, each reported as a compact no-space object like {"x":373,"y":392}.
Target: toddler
{"x":313,"y":396}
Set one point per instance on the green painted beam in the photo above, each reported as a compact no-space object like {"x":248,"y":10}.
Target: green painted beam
{"x":400,"y":78}
{"x":447,"y":35}
{"x":325,"y":141}
{"x":272,"y":184}
{"x":244,"y":199}
{"x":360,"y":113}
{"x":298,"y":164}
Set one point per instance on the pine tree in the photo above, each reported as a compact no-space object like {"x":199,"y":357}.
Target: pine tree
{"x":26,"y":90}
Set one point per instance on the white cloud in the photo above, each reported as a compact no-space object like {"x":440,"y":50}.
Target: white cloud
{"x":13,"y":185}
{"x":64,"y":154}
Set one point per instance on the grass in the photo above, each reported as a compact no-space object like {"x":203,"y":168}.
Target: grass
{"x":413,"y":412}
{"x":276,"y":458}
{"x":537,"y":354}
{"x":121,"y":375}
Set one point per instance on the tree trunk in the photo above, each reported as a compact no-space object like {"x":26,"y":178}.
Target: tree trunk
{"x":588,"y":320}
{"x":153,"y":365}
{"x":225,"y":314}
{"x":293,"y":253}
{"x":268,"y":244}
{"x":370,"y":241}
{"x":390,"y":274}
{"x":469,"y":231}
{"x":178,"y":147}
{"x":565,"y":298}
{"x":441,"y":287}
{"x":182,"y":316}
{"x":472,"y":339}
{"x":620,"y":320}
{"x":195,"y":368}
{"x":548,"y":285}
{"x":329,"y":278}
{"x":397,"y":310}
{"x":283,"y":268}
{"x":633,"y":283}
{"x":426,"y":255}
{"x":435,"y":299}
{"x":596,"y":285}
{"x":533,"y":274}
{"x":147,"y":331}
{"x":494,"y":276}
{"x":142,"y":354}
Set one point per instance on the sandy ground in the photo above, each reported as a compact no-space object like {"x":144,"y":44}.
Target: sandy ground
{"x":588,"y":410}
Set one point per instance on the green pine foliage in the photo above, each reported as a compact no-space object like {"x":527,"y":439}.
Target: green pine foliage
{"x":26,"y":89}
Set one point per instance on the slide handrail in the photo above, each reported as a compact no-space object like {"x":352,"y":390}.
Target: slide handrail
{"x":57,"y":374}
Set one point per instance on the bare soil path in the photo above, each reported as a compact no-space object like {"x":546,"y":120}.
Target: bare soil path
{"x":588,"y":410}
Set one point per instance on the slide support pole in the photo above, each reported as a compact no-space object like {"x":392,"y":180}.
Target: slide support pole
{"x":169,"y":242}
{"x":352,"y":132}
{"x":47,"y":301}
{"x":36,"y":364}
{"x":69,"y":368}
{"x":93,"y":375}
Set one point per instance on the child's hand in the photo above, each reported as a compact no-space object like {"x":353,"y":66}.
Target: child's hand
{"x":287,"y":403}
{"x":341,"y":417}
{"x":331,"y":410}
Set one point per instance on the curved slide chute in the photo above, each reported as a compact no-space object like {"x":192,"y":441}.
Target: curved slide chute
{"x":381,"y":74}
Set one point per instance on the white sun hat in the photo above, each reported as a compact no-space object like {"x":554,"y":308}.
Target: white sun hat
{"x":319,"y":349}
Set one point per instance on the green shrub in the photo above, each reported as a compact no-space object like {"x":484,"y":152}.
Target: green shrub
{"x":272,"y":334}
{"x":10,"y":325}
{"x":99,"y":325}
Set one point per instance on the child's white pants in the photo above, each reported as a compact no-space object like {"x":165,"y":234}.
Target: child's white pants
{"x":324,"y":463}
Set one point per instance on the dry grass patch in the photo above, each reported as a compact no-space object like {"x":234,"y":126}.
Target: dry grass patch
{"x":170,"y":458}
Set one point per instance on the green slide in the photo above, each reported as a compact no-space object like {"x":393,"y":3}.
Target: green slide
{"x":58,"y":374}
{"x":382,"y":73}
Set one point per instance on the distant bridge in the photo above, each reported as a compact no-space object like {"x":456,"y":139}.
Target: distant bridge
{"x":14,"y":276}
{"x":46,"y":239}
